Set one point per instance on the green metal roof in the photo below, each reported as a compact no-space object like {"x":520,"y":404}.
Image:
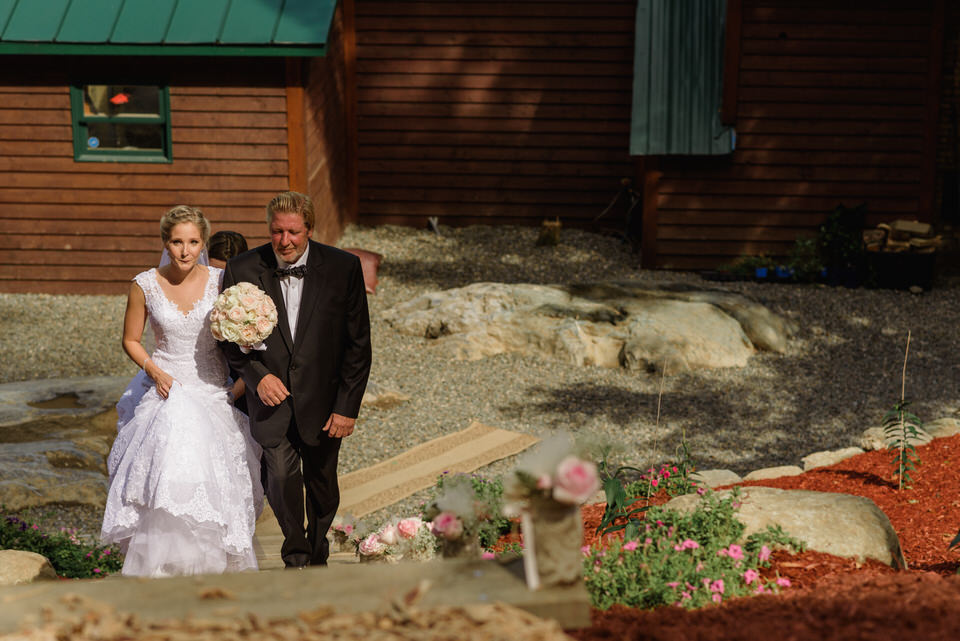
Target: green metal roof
{"x":166,"y":27}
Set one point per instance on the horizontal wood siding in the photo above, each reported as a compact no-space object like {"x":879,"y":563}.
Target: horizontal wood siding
{"x":327,"y":136}
{"x":492,"y":112}
{"x":833,"y":108}
{"x":82,"y":227}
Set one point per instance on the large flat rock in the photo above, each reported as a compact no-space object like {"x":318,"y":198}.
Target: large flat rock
{"x":346,"y":588}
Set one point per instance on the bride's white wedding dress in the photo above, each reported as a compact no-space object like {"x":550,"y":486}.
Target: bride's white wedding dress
{"x":184,"y":472}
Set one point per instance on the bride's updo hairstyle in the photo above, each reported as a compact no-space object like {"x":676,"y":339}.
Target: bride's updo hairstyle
{"x":184,"y":214}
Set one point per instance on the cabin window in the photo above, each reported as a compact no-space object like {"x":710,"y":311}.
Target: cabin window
{"x":121,"y":123}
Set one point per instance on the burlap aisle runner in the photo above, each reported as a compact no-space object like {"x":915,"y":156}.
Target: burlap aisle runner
{"x":376,"y":487}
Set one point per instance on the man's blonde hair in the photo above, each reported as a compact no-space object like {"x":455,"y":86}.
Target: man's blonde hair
{"x":292,"y":202}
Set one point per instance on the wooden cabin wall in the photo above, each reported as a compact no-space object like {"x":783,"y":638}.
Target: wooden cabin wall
{"x":494,"y":111}
{"x":88,"y":227}
{"x":836,"y":104}
{"x":327,"y":136}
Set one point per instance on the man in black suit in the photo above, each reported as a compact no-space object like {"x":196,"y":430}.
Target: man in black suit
{"x":304,"y":390}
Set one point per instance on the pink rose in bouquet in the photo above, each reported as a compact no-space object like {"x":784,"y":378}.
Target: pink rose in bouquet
{"x":409,"y":527}
{"x":371,"y":546}
{"x":575,"y":481}
{"x":448,"y":526}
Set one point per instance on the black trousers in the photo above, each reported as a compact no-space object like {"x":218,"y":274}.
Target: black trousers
{"x":285,"y":489}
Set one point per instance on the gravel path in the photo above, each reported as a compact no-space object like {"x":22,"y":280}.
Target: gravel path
{"x":840,"y":374}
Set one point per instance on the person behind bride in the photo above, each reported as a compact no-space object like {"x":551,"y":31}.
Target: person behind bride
{"x":185,"y":487}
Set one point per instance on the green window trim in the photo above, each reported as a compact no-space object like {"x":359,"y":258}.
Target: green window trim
{"x":82,"y":121}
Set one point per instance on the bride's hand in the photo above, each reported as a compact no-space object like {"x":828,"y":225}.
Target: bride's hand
{"x":163,"y":380}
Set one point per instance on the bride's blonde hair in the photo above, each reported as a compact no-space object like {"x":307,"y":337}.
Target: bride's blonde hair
{"x":184,"y":214}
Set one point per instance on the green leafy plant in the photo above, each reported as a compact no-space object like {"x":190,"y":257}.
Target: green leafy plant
{"x":841,"y":239}
{"x":68,"y":555}
{"x":690,"y":559}
{"x":746,"y":266}
{"x":619,"y":513}
{"x":488,"y":497}
{"x":901,"y":429}
{"x":806,"y":260}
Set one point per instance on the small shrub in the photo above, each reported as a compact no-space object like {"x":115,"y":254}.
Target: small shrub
{"x":69,"y":556}
{"x":684,"y":559}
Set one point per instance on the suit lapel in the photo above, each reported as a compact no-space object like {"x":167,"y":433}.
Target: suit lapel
{"x":271,"y":285}
{"x":310,"y":294}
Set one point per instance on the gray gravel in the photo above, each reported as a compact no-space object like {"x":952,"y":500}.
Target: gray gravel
{"x":840,"y":374}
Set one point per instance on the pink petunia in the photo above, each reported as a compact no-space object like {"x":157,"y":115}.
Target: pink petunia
{"x":630,"y":546}
{"x":488,"y":556}
{"x":717,"y":586}
{"x":764,"y":553}
{"x":750,"y":576}
{"x":783,"y":582}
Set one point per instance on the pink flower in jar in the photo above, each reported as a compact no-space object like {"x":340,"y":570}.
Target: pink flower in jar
{"x":409,"y":527}
{"x":544,"y":482}
{"x":388,"y":535}
{"x":576,"y":481}
{"x":447,"y":526}
{"x":371,"y":546}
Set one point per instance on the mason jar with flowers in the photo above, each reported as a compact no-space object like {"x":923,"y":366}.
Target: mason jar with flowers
{"x":546,"y":490}
{"x":456,"y":514}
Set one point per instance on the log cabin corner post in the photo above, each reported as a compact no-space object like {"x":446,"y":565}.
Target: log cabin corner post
{"x":350,"y":109}
{"x":648,"y":170}
{"x":296,"y":132}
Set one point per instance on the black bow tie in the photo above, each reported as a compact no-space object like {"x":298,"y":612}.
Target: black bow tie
{"x":299,"y":271}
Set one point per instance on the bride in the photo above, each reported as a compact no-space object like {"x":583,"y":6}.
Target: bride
{"x":184,"y":472}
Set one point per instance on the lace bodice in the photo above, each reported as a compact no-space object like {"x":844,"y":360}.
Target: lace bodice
{"x":185,"y":347}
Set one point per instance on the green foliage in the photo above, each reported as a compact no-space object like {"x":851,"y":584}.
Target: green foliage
{"x":806,"y":260}
{"x":746,"y":266}
{"x":672,"y":478}
{"x":488,"y":495}
{"x":900,"y":427}
{"x":841,"y":237}
{"x":684,"y":559}
{"x":619,"y":513}
{"x":69,"y":556}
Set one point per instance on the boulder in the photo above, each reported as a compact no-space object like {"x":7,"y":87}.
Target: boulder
{"x":773,"y":473}
{"x":625,"y":325}
{"x":942,"y":427}
{"x":716,"y":478}
{"x":838,"y":524}
{"x":379,"y":397}
{"x":829,"y":457}
{"x":18,"y":566}
{"x":52,"y":471}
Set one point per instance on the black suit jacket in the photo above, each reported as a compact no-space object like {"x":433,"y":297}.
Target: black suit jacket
{"x":326,"y":368}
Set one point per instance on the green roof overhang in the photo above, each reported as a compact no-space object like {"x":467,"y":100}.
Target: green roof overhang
{"x":166,"y":27}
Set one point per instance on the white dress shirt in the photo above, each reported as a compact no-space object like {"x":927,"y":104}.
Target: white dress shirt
{"x":292,"y":288}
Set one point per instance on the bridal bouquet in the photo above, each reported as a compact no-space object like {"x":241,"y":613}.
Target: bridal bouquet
{"x":243,"y":314}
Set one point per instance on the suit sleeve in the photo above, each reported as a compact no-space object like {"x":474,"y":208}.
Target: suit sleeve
{"x":249,"y":366}
{"x":357,"y":355}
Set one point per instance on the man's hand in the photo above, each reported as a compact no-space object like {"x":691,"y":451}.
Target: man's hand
{"x":339,"y":426}
{"x":272,"y":391}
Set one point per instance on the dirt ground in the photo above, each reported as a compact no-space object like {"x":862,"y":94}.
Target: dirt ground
{"x":833,"y":598}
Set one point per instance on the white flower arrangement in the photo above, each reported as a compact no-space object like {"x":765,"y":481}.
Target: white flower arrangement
{"x":243,"y":314}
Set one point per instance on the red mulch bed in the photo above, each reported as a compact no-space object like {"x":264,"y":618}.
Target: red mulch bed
{"x":835,"y":599}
